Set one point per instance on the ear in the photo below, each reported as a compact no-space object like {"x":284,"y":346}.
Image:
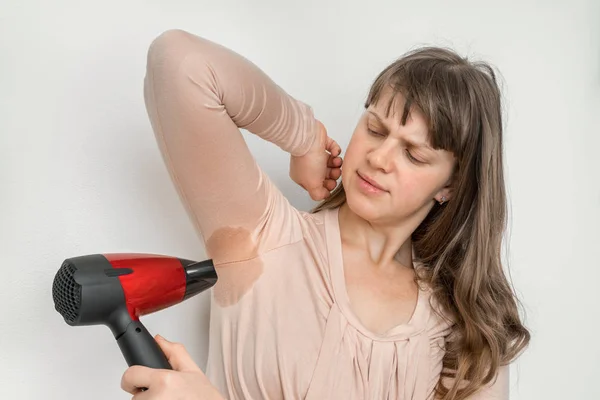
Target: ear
{"x":446,"y":193}
{"x":448,"y":190}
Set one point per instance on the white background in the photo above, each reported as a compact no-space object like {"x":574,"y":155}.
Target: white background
{"x":80,"y":171}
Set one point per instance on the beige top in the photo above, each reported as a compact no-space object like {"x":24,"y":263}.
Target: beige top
{"x":281,"y":323}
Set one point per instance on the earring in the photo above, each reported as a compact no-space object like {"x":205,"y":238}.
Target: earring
{"x":443,"y":200}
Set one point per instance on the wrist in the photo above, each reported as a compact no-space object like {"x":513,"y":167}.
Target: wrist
{"x":319,"y":138}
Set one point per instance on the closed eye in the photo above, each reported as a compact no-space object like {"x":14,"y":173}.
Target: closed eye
{"x":372,"y":132}
{"x":410,"y":156}
{"x":408,"y":153}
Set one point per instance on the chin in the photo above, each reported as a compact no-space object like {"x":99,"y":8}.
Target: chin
{"x":363,"y":207}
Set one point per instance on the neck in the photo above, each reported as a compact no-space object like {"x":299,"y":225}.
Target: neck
{"x":386,"y":244}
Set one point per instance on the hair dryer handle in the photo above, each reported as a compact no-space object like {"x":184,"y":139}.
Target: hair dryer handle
{"x":140,"y":348}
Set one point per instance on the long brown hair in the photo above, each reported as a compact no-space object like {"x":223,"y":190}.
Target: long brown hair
{"x":459,"y":242}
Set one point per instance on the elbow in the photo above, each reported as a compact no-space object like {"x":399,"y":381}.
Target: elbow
{"x":169,"y":59}
{"x":165,"y":46}
{"x":165,"y":56}
{"x":177,"y":61}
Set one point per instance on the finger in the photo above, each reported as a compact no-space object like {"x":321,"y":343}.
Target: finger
{"x":136,"y":377}
{"x":338,"y":150}
{"x":330,"y":145}
{"x":333,"y":147}
{"x":319,"y":193}
{"x":334,"y":162}
{"x":147,"y":395}
{"x":335,"y":173}
{"x":330,"y":184}
{"x":177,"y":355}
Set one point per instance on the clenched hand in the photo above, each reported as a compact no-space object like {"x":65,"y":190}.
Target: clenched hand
{"x":318,"y":170}
{"x":185,"y":382}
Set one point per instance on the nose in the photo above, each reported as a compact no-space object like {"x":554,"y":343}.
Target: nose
{"x":382,"y":157}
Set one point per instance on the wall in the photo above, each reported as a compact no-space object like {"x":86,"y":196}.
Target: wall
{"x":80,"y":171}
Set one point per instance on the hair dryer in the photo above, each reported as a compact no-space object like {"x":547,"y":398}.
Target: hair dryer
{"x":116,"y":289}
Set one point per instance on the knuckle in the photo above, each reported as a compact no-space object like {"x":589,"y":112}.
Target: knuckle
{"x":127,"y":376}
{"x":165,"y":379}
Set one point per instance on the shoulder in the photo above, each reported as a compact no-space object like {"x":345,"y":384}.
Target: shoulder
{"x":438,"y":324}
{"x":318,"y":218}
{"x":438,"y":329}
{"x":316,"y":224}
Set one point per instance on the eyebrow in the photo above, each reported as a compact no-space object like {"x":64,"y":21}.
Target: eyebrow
{"x":411,"y":143}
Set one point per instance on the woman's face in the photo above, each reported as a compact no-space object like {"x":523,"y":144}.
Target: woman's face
{"x":406,"y":175}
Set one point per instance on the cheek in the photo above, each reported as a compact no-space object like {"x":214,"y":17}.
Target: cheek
{"x":408,"y":187}
{"x":355,"y":152}
{"x":413,"y":190}
{"x":352,"y":160}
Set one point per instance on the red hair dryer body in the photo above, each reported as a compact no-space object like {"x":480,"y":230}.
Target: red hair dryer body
{"x":116,"y":289}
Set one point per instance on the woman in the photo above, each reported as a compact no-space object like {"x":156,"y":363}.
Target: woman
{"x":392,"y":288}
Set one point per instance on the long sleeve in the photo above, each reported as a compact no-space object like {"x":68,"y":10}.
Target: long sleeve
{"x":198,"y":95}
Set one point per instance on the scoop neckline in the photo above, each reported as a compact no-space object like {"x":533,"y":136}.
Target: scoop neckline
{"x":416,"y":323}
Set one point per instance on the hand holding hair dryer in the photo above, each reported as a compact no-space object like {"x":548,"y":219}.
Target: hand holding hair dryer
{"x":115,"y":289}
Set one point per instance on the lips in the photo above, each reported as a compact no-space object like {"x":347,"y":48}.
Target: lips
{"x":371,"y":181}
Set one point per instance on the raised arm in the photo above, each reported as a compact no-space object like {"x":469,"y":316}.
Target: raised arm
{"x":198,"y":94}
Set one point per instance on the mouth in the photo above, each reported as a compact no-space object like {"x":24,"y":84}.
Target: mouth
{"x":371,"y":182}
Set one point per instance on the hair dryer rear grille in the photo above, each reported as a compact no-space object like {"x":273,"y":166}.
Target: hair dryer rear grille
{"x":66,"y":293}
